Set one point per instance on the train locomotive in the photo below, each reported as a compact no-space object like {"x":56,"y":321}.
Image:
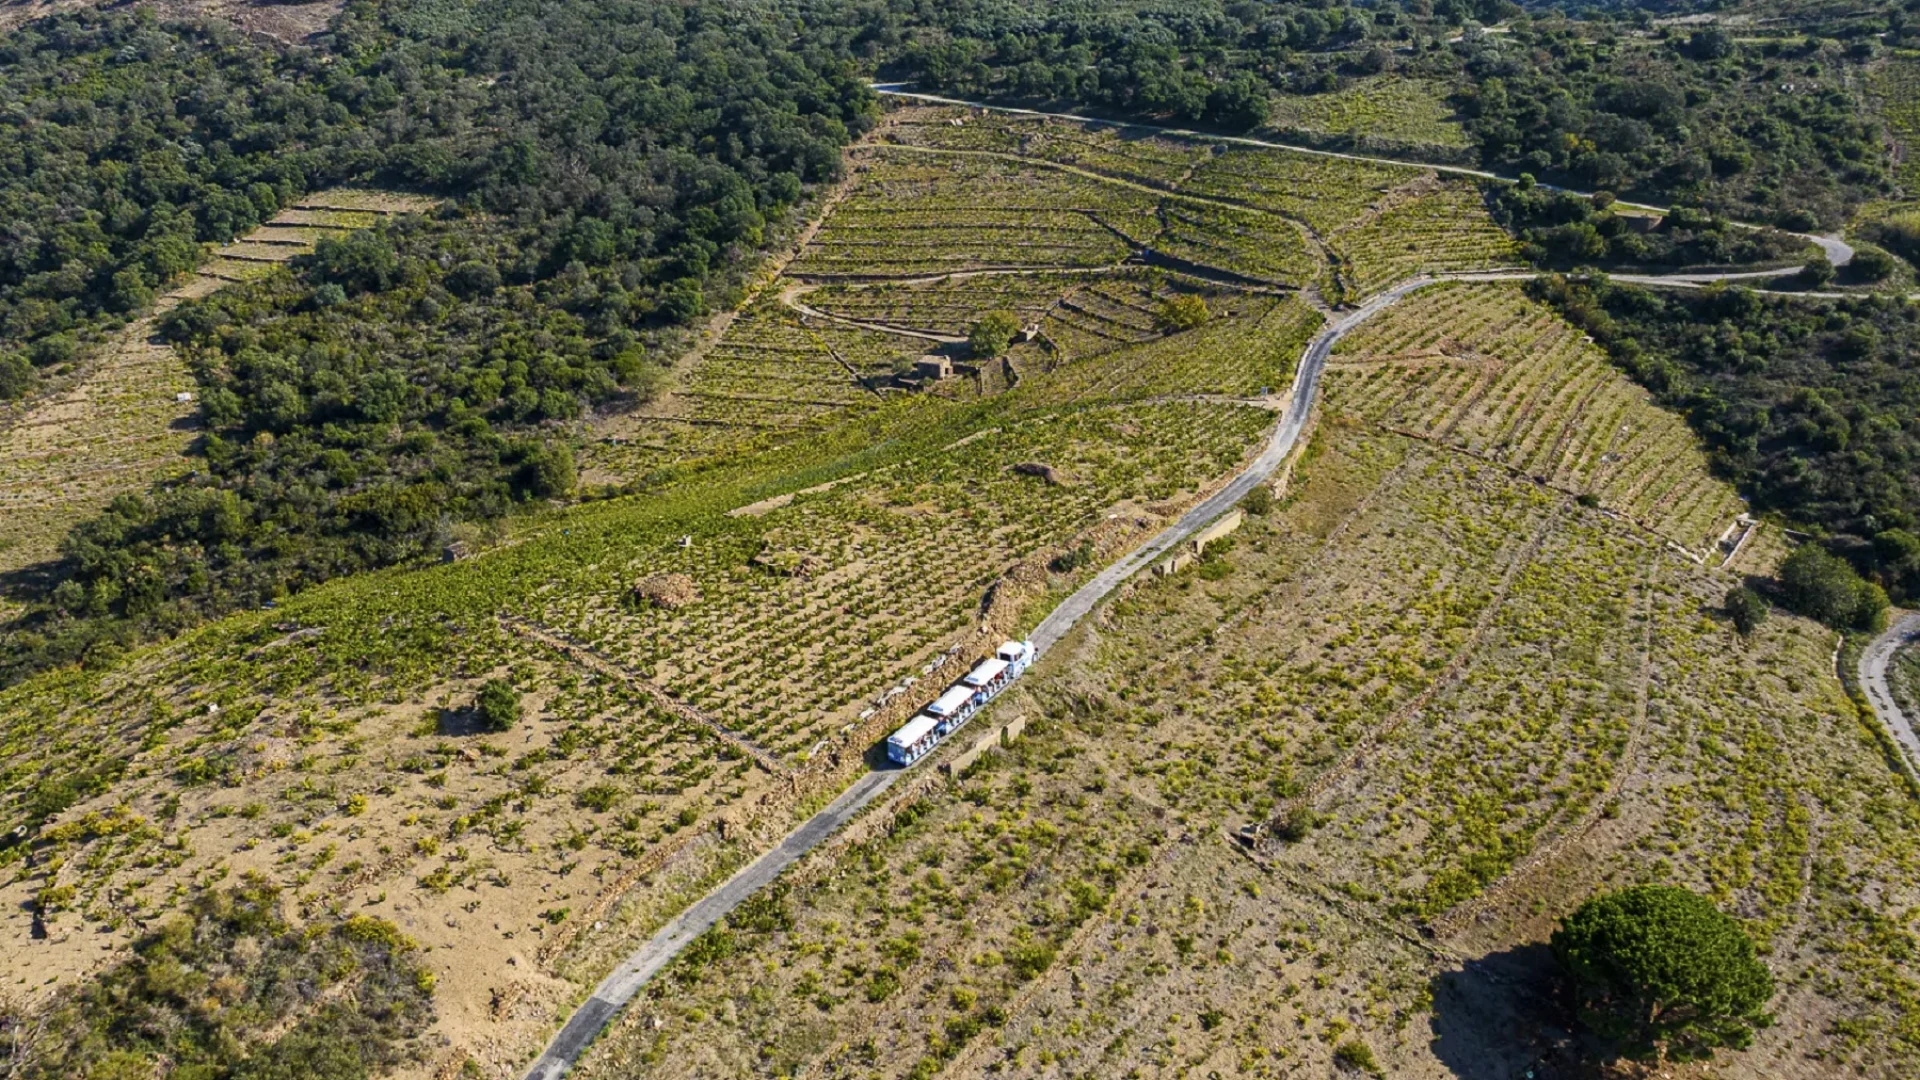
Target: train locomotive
{"x":946,"y":713}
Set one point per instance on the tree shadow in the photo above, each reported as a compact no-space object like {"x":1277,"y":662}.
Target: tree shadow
{"x":460,"y":723}
{"x":1505,"y":1016}
{"x":33,"y":581}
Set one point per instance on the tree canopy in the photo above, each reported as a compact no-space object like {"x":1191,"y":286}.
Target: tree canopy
{"x":1658,"y":969}
{"x":992,"y":333}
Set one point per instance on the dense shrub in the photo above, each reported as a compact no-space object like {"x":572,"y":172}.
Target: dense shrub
{"x":1746,"y":608}
{"x":1559,"y":229}
{"x":230,"y":989}
{"x":992,"y":333}
{"x":1824,"y":587}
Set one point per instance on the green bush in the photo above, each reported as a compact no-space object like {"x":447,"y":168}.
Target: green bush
{"x":1823,"y":586}
{"x":1745,"y":608}
{"x":1357,"y":1056}
{"x":498,"y":705}
{"x":1184,"y":311}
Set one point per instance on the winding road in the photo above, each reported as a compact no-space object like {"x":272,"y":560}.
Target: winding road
{"x":1874,"y":660}
{"x":612,"y":995}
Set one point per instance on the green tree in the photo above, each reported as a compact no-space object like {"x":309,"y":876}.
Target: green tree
{"x":1185,"y":311}
{"x":1871,"y":264}
{"x":1259,"y":501}
{"x":1241,"y":102}
{"x":17,"y":377}
{"x":1822,"y":586}
{"x":1657,"y":968}
{"x":1745,"y":608}
{"x":993,"y":333}
{"x":498,"y":705}
{"x":1818,"y":271}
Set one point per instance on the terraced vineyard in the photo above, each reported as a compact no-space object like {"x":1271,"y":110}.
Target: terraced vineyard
{"x":773,"y":376}
{"x":1324,"y":193}
{"x":1896,"y":83}
{"x":916,"y":215}
{"x":949,"y":305}
{"x":1427,"y":227}
{"x":1484,"y":368}
{"x":120,"y":425}
{"x":1248,"y":350}
{"x":1117,"y":152}
{"x":858,"y":586}
{"x":1495,"y":701}
{"x":1392,"y":109}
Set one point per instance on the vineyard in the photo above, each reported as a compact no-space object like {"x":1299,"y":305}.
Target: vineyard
{"x":1116,"y":152}
{"x":1896,"y":83}
{"x":119,"y":425}
{"x":1249,"y":349}
{"x":1437,"y":228}
{"x":332,"y":743}
{"x":1323,"y":193}
{"x":822,"y":604}
{"x":1477,"y":699}
{"x":1391,"y":110}
{"x":920,"y":215}
{"x":1457,"y":647}
{"x":1483,"y":368}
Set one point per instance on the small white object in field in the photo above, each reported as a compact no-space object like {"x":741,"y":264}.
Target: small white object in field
{"x":183,"y":397}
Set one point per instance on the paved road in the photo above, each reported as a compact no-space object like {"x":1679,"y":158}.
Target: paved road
{"x":1838,"y":251}
{"x":638,"y":969}
{"x":1873,"y":677}
{"x":1306,"y":386}
{"x":612,"y":995}
{"x":619,"y":988}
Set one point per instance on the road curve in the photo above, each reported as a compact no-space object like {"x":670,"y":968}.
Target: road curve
{"x":1874,"y":660}
{"x":1306,"y":387}
{"x":614,"y":992}
{"x":1837,"y":250}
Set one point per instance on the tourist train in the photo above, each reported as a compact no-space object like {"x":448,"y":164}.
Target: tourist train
{"x":964,"y":698}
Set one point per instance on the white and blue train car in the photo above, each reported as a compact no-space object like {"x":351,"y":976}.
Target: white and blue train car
{"x":946,"y":713}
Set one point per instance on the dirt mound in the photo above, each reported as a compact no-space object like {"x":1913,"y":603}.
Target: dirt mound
{"x":670,"y":591}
